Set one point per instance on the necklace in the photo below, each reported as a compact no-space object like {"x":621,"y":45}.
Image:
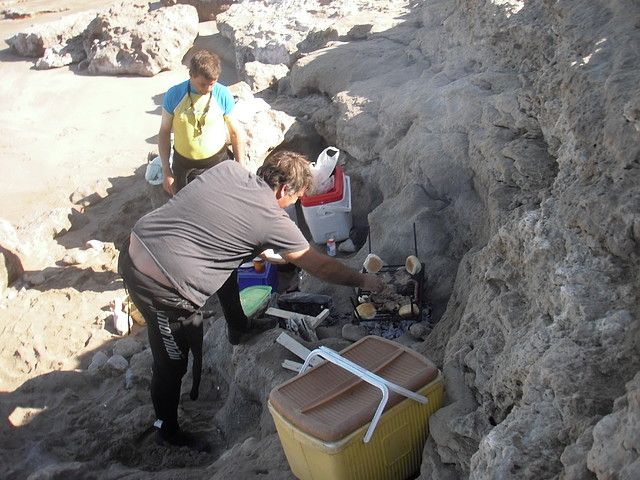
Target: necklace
{"x":200,"y":122}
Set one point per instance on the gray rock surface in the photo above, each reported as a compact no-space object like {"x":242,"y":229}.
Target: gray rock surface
{"x":261,"y":76}
{"x":117,"y":362}
{"x":98,"y":360}
{"x":300,"y":26}
{"x":508,"y":133}
{"x":615,"y":438}
{"x":127,"y":347}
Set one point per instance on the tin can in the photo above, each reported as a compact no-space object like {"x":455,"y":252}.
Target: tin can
{"x":331,"y":247}
{"x":258,"y":265}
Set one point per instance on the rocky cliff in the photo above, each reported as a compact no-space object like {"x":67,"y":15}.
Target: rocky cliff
{"x":509,"y":133}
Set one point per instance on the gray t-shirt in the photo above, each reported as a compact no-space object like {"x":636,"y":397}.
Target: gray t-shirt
{"x":226,"y":216}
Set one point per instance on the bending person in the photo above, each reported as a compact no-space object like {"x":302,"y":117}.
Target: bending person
{"x":191,"y":247}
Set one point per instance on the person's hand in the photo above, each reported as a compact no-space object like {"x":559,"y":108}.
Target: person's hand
{"x":372,"y":283}
{"x":168,"y":183}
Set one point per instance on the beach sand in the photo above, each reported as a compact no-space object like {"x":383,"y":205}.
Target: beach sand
{"x":64,"y":131}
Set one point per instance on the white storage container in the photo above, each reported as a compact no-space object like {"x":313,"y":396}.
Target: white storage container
{"x":331,"y":219}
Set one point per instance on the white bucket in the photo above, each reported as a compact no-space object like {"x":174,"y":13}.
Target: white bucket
{"x":331,"y":220}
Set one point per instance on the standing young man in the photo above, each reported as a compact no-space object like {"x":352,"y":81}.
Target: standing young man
{"x":199,"y":113}
{"x":191,"y":247}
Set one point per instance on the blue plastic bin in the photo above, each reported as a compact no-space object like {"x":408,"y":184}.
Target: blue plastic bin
{"x":247,"y":276}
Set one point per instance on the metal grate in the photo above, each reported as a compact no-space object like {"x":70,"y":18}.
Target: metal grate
{"x":409,"y":292}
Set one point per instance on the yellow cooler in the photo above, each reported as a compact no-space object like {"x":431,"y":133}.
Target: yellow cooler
{"x":361,"y":414}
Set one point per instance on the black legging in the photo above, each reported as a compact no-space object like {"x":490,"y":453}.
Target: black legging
{"x":174,"y":327}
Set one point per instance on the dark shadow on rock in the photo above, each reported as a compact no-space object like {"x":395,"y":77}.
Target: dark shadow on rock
{"x":81,"y":279}
{"x":152,"y":140}
{"x":111,"y":218}
{"x":7,"y":56}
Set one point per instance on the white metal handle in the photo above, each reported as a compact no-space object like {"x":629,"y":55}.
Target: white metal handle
{"x":369,"y":377}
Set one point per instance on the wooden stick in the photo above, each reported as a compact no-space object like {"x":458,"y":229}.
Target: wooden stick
{"x":296,"y":348}
{"x":291,"y":365}
{"x":312,"y":322}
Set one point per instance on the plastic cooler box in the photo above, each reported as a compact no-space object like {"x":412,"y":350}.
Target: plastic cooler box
{"x":248,"y":276}
{"x":328,"y":215}
{"x":356,"y":416}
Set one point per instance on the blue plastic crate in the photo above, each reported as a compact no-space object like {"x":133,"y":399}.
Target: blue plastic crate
{"x":247,"y":276}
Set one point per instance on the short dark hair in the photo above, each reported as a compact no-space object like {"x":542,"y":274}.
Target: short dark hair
{"x":287,"y":168}
{"x":206,"y":64}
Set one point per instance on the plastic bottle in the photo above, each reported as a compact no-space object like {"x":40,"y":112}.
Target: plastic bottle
{"x":331,"y":247}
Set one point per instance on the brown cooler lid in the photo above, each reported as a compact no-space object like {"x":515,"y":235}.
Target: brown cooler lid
{"x":328,"y":402}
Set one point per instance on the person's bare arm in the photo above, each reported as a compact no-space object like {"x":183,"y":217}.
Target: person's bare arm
{"x":237,"y":137}
{"x":164,"y":150}
{"x":331,"y":270}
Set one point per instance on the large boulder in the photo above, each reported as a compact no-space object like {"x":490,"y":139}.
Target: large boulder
{"x":129,"y":39}
{"x":36,"y":40}
{"x":126,"y":38}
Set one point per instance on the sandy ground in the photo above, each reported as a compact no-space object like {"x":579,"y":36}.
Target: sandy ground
{"x":63,"y":130}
